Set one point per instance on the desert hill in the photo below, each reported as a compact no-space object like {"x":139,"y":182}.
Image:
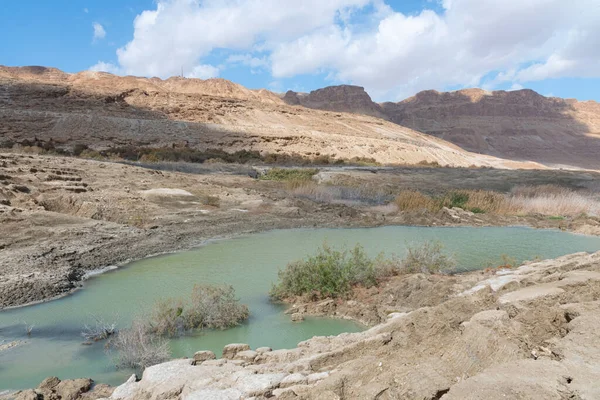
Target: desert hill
{"x":101,"y":110}
{"x":517,"y":125}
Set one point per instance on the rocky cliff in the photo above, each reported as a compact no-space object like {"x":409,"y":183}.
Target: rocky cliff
{"x":343,"y":98}
{"x":516,"y":125}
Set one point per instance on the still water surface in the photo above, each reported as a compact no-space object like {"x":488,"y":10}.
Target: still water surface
{"x":248,"y":263}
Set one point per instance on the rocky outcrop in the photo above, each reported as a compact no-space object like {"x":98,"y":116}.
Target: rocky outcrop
{"x":525,"y":333}
{"x":342,"y":98}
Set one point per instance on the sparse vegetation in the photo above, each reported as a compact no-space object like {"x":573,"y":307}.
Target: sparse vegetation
{"x":99,"y":330}
{"x":330,"y":273}
{"x":428,"y":258}
{"x":552,"y":201}
{"x":208,"y":308}
{"x":411,"y":200}
{"x":289,"y":174}
{"x":138,"y":348}
{"x":145,"y":343}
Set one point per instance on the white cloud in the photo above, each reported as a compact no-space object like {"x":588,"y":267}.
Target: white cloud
{"x":85,"y":10}
{"x":99,"y":32}
{"x":203,"y":72}
{"x":365,"y":42}
{"x":101,"y":66}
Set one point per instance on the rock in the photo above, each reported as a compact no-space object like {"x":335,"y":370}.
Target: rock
{"x":246,"y":355}
{"x":49,"y":383}
{"x":71,"y":389}
{"x":28,"y":394}
{"x":126,"y":390}
{"x":204,"y":355}
{"x":316,"y":377}
{"x":292,"y":380}
{"x":231,"y":350}
{"x":262,"y":350}
{"x":297,"y":317}
{"x":215,"y":363}
{"x":258,"y":384}
{"x":215,"y":394}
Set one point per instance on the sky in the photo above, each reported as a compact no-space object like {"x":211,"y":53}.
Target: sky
{"x":393,"y":48}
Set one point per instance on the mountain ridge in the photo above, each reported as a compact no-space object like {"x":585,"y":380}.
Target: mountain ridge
{"x":517,"y":126}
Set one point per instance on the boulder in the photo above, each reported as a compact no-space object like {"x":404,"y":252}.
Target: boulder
{"x":231,"y":350}
{"x":246,"y":356}
{"x":72,"y":389}
{"x":262,"y":350}
{"x":204,"y":355}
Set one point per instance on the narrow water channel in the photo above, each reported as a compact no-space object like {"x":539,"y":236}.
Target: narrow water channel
{"x":248,"y":263}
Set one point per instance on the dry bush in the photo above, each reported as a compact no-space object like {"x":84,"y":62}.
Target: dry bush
{"x":567,"y":204}
{"x":487,"y":201}
{"x":214,"y":308}
{"x":99,"y":330}
{"x":136,"y":347}
{"x":411,"y":200}
{"x":428,"y":258}
{"x":210,"y":307}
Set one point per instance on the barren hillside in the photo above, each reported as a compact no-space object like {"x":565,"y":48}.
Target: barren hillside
{"x":102,"y":110}
{"x":516,"y":125}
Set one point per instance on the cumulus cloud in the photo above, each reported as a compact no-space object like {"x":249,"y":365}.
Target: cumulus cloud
{"x":99,"y":32}
{"x":203,"y":72}
{"x":101,"y":66}
{"x":366,"y":42}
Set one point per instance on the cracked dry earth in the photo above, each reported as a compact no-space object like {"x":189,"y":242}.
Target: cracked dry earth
{"x":529,"y":333}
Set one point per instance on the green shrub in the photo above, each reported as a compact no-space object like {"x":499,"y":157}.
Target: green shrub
{"x":289,"y":174}
{"x":330,"y":273}
{"x":428,"y":258}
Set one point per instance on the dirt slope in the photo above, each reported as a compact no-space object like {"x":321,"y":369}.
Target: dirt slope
{"x":516,"y":125}
{"x":102,"y":110}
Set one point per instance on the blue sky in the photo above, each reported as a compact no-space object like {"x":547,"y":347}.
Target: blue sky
{"x":392,"y":47}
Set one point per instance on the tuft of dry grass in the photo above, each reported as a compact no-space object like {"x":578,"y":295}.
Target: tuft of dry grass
{"x":549,"y":200}
{"x":552,"y":201}
{"x":411,"y":200}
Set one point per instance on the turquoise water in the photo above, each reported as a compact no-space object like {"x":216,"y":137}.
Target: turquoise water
{"x":248,"y":263}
